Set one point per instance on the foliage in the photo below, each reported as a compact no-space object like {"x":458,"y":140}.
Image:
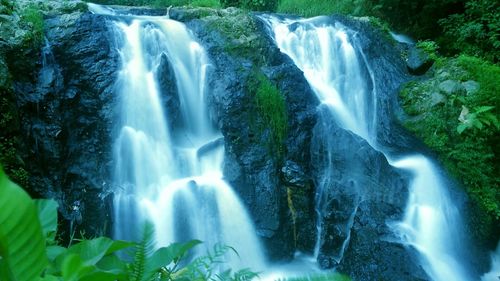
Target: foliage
{"x":32,"y":18}
{"x":28,"y":250}
{"x":254,"y":5}
{"x":6,"y":7}
{"x":480,"y":118}
{"x":430,"y":47}
{"x":476,"y":31}
{"x":22,"y":245}
{"x":323,"y":7}
{"x":272,"y":108}
{"x":463,"y":129}
{"x":206,"y":3}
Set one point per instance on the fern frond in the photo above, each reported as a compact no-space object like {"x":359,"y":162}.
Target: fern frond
{"x":144,"y":249}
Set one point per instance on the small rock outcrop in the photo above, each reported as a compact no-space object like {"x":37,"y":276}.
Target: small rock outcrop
{"x":418,"y":61}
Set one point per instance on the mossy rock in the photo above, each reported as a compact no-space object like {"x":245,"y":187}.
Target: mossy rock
{"x":433,"y":107}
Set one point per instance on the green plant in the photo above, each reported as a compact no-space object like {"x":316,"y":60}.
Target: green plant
{"x":320,"y":7}
{"x":476,"y":31}
{"x":230,"y":3}
{"x":430,"y":47}
{"x":254,"y":5}
{"x":481,"y":117}
{"x":272,"y":108}
{"x":206,"y":3}
{"x":28,"y":250}
{"x":22,"y":245}
{"x":32,"y":18}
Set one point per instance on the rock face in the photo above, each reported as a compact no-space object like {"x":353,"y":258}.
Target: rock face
{"x":418,"y":61}
{"x":66,"y":104}
{"x":275,"y":188}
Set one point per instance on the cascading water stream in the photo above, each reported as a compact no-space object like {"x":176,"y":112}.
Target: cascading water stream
{"x":494,"y":273}
{"x":170,"y":177}
{"x":336,"y":69}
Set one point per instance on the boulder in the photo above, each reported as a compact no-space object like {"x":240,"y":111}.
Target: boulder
{"x":418,"y":61}
{"x":451,"y":87}
{"x":471,"y":87}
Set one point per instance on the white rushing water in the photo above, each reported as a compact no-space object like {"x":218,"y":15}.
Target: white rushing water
{"x":341,"y":78}
{"x":333,"y":69}
{"x":173,"y":178}
{"x":494,"y":273}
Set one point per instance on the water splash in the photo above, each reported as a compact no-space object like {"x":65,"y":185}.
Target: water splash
{"x":494,"y":273}
{"x":432,"y":222}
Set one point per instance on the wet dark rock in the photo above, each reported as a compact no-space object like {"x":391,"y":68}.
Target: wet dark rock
{"x":66,"y":102}
{"x":418,"y":61}
{"x":451,"y":87}
{"x":168,"y":86}
{"x":293,"y":174}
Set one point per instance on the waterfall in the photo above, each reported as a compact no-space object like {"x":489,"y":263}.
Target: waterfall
{"x":494,"y":273}
{"x":172,"y":176}
{"x":336,"y":69}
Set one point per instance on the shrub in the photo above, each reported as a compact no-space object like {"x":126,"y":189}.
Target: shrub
{"x":32,"y":18}
{"x":254,"y":5}
{"x":323,"y":7}
{"x":475,"y":32}
{"x":206,"y":3}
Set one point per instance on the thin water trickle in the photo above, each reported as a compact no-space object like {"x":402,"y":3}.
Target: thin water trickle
{"x":342,"y":80}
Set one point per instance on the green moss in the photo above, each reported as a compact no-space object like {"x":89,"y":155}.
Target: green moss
{"x":471,"y":155}
{"x":272,"y":109}
{"x":240,"y":33}
{"x":32,"y":19}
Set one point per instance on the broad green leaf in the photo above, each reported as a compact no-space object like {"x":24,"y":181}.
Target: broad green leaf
{"x":74,"y":267}
{"x":119,"y":245}
{"x":173,"y":253}
{"x":102,"y":276}
{"x":49,"y":278}
{"x":92,"y":251}
{"x":22,"y":244}
{"x":54,"y":251}
{"x":112,"y":264}
{"x":481,"y":109}
{"x":461,"y":128}
{"x":47,"y":213}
